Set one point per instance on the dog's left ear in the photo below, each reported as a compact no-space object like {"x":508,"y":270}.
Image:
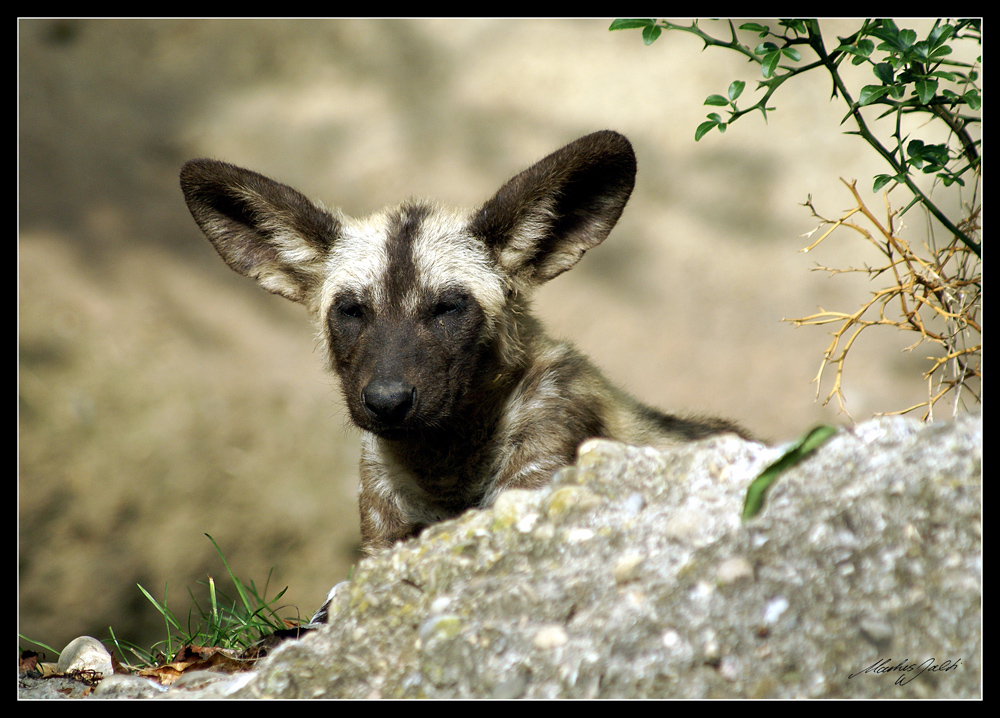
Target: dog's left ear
{"x":541,"y":221}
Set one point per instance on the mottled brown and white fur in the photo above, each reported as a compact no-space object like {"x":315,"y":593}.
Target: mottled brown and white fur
{"x":423,"y":313}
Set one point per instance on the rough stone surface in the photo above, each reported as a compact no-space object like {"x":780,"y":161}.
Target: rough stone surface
{"x":127,"y":686}
{"x":632,"y":575}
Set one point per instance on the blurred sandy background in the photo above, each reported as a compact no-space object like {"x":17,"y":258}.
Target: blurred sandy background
{"x":163,"y":397}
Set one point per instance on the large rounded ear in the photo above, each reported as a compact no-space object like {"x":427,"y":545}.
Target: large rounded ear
{"x":262,"y":229}
{"x":541,"y":221}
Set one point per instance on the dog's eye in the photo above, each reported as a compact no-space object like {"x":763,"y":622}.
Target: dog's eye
{"x":445,"y":307}
{"x":351,"y":310}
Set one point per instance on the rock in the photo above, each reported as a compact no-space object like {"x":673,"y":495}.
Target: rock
{"x":50,"y":688}
{"x":85,"y":654}
{"x":861,"y":577}
{"x":205,"y":684}
{"x":122,"y":685}
{"x":633,"y":576}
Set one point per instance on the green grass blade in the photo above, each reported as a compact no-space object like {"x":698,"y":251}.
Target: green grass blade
{"x":239,"y":584}
{"x":38,"y":643}
{"x":168,"y":615}
{"x":796,"y":453}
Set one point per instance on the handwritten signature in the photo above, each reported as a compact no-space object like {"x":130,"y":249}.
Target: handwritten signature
{"x":906,"y":668}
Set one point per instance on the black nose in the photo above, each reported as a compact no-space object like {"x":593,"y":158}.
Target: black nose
{"x":388,"y":401}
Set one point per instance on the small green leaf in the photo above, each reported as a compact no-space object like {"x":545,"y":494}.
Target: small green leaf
{"x":925,"y":89}
{"x":736,"y":89}
{"x":631,"y":23}
{"x":755,"y":27}
{"x":650,"y":33}
{"x":799,"y":26}
{"x":931,"y":158}
{"x":889,"y":34}
{"x":850,"y":49}
{"x":770,"y":62}
{"x":883,"y":71}
{"x":938,"y":52}
{"x":940,"y":33}
{"x":973,"y":98}
{"x":794,"y":455}
{"x":881,"y":181}
{"x":920,"y":51}
{"x":870,"y":93}
{"x":889,"y":25}
{"x":703,"y":129}
{"x":791,"y":53}
{"x":716,"y":101}
{"x":907,"y":38}
{"x":765,"y":48}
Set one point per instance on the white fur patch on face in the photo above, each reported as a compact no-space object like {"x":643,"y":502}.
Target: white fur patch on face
{"x":447,"y":256}
{"x":444,"y":255}
{"x":357,"y":261}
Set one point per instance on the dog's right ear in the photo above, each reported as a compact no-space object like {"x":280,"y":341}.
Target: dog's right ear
{"x":262,"y":229}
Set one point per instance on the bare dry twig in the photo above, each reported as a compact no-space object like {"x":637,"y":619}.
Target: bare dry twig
{"x":938,"y":297}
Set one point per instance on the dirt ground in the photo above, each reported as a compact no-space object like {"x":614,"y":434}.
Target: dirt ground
{"x":163,"y":397}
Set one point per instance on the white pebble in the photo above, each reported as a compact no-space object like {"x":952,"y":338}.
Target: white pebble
{"x":85,"y":654}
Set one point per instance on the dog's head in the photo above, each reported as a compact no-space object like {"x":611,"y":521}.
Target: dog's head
{"x":419,"y":307}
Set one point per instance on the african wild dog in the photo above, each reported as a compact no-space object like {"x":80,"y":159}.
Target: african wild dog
{"x":423,"y":313}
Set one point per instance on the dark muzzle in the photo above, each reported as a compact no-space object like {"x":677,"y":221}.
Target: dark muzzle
{"x":388,"y":401}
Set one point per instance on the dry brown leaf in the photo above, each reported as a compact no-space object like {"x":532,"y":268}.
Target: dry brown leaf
{"x":28,"y":662}
{"x":197,"y":658}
